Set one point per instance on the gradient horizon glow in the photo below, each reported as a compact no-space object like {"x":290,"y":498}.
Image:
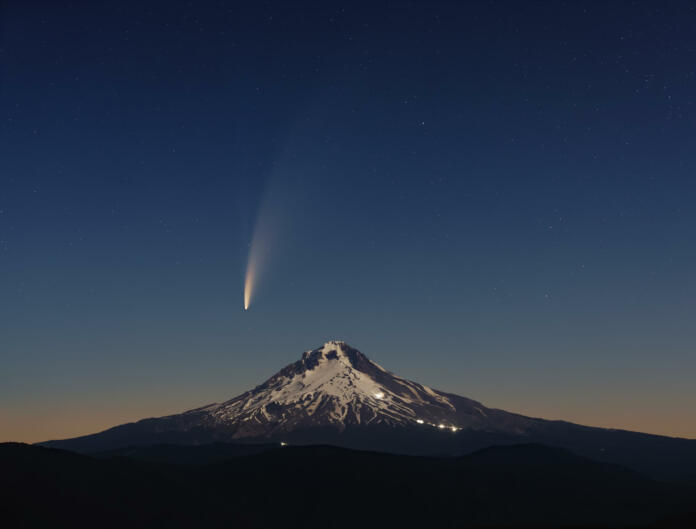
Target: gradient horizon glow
{"x":495,"y":199}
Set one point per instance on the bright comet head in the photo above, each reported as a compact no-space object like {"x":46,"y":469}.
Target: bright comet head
{"x":254,"y":262}
{"x":248,"y":282}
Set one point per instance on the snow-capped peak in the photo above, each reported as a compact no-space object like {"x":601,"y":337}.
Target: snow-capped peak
{"x":334,"y":385}
{"x":331,"y":349}
{"x":341,"y":352}
{"x":333,"y":345}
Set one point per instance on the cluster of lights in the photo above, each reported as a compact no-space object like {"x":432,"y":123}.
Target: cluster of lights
{"x":379,"y":396}
{"x":441,"y":426}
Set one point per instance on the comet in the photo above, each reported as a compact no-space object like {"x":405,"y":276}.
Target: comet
{"x":262,"y":239}
{"x":272,"y":227}
{"x":248,"y":284}
{"x":251,"y":271}
{"x":253,"y":268}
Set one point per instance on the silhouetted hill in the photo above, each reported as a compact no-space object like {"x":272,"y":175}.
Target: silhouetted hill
{"x":324,"y":486}
{"x":187,"y":454}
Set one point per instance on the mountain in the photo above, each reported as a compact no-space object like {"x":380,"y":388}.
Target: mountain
{"x":323,"y":487}
{"x":336,"y":395}
{"x":338,"y":386}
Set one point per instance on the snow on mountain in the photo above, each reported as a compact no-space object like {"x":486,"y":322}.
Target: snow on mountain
{"x":336,"y":395}
{"x":334,"y":388}
{"x":337,"y":386}
{"x":334,"y":385}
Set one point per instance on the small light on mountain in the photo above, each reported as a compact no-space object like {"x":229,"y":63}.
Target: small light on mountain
{"x":379,"y":395}
{"x":283,"y":443}
{"x":440,"y":425}
{"x":420,"y":421}
{"x":454,"y":428}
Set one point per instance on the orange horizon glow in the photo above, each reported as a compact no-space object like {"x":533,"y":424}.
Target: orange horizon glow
{"x":36,"y":423}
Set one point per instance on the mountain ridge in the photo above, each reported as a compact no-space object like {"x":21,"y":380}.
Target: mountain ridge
{"x":334,"y":394}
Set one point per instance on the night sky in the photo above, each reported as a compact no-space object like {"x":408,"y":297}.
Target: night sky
{"x":492,"y":198}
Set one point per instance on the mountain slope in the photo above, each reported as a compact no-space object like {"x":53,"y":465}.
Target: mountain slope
{"x":334,"y":387}
{"x":336,"y":395}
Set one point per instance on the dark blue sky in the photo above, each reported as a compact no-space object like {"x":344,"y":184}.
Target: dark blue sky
{"x":492,"y":198}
